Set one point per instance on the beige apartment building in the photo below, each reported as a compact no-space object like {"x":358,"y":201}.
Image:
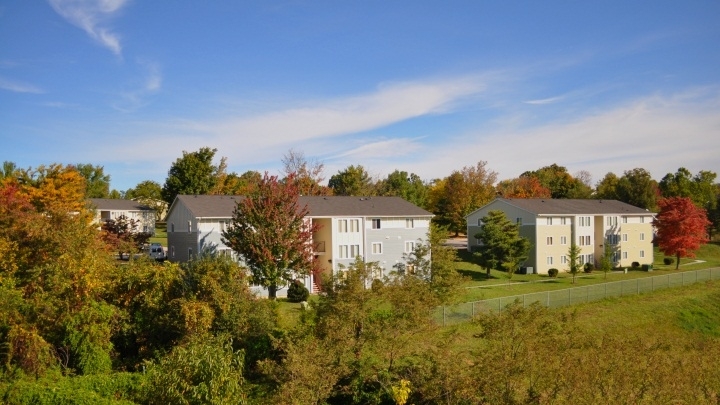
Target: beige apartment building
{"x":552,"y":224}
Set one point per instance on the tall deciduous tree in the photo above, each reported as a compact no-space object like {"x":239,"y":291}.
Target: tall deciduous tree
{"x":352,"y":181}
{"x":97,"y":183}
{"x":701,"y":188}
{"x":148,"y":193}
{"x":607,"y":187}
{"x":8,"y":169}
{"x":307,"y":174}
{"x":193,"y":173}
{"x":522,"y":187}
{"x":502,"y":246}
{"x":681,"y":227}
{"x":463,"y":192}
{"x":270,"y":232}
{"x":560,"y":183}
{"x":408,"y":186}
{"x":637,"y":187}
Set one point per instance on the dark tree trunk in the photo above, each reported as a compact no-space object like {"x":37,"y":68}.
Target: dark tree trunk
{"x":677,"y":262}
{"x":272,"y":292}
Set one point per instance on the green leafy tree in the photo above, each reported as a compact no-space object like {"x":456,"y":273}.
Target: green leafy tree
{"x":148,"y":193}
{"x":606,"y":260}
{"x":574,"y":266}
{"x":637,"y":187}
{"x":408,"y":186}
{"x":97,"y":183}
{"x":352,"y":181}
{"x":8,"y":169}
{"x":606,"y":189}
{"x":123,"y":236}
{"x":681,"y":227}
{"x":701,"y":188}
{"x":502,"y":246}
{"x":193,"y":173}
{"x":269,"y":231}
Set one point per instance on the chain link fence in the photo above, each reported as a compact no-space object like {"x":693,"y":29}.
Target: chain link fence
{"x":464,"y":312}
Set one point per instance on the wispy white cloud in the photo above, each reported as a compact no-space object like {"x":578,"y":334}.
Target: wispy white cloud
{"x":91,"y":16}
{"x":550,"y":100}
{"x":136,"y":97}
{"x":658,"y":133}
{"x":19,"y":87}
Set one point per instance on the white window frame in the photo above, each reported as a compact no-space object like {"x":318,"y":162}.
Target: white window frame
{"x":624,"y":237}
{"x":642,"y":254}
{"x":409,"y":246}
{"x":376,"y":223}
{"x":409,"y":223}
{"x":563,"y":240}
{"x":642,"y":235}
{"x":377,"y":248}
{"x":549,"y":260}
{"x":549,"y":221}
{"x":549,"y":240}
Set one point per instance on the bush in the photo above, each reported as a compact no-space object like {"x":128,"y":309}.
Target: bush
{"x":553,"y":272}
{"x":588,"y":268}
{"x":647,"y":267}
{"x":297,"y":292}
{"x":668,"y":260}
{"x":635,"y":265}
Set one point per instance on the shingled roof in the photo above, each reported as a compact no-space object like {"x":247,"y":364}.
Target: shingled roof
{"x":549,"y":206}
{"x":222,"y":206}
{"x":116,"y":204}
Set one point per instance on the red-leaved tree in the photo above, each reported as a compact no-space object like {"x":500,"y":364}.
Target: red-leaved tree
{"x":270,"y":231}
{"x":681,"y":227}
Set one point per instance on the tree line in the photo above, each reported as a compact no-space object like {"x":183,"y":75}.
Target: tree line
{"x":450,"y":198}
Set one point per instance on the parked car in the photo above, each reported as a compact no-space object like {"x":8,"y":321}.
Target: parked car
{"x":157,"y":252}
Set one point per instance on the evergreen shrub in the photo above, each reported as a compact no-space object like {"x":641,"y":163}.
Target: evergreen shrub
{"x":297,"y":292}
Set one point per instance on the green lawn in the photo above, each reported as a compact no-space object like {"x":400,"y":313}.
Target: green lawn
{"x":160,"y":234}
{"x":479,"y":287}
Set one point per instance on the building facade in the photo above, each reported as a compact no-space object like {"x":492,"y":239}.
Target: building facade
{"x":107,"y":209}
{"x":378,"y":229}
{"x":552,"y":225}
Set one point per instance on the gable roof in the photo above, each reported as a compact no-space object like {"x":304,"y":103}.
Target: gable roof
{"x":116,"y":204}
{"x":222,"y":206}
{"x":560,"y":206}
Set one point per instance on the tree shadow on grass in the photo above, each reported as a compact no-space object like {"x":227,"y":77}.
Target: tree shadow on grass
{"x":477,"y":275}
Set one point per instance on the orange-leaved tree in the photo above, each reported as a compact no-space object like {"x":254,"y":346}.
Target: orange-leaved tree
{"x":681,"y":227}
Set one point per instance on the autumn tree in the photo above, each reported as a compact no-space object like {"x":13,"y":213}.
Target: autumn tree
{"x":123,"y":235}
{"x":522,"y":187}
{"x":560,"y":183}
{"x":681,"y":227}
{"x":408,"y":186}
{"x":97,"y":183}
{"x":701,"y":188}
{"x":308,"y":174}
{"x":193,"y":173}
{"x":463,"y":192}
{"x":352,"y":181}
{"x":8,"y":169}
{"x":270,"y":232}
{"x":502,"y":246}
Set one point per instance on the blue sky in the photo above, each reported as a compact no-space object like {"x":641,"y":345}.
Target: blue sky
{"x":425,"y":87}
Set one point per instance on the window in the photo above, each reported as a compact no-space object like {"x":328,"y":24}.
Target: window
{"x":563,"y":221}
{"x":348,"y":251}
{"x":410,"y":268}
{"x":409,"y":223}
{"x":616,"y":256}
{"x":549,"y":221}
{"x":585,"y":240}
{"x":584,"y":221}
{"x":342,"y":225}
{"x":563,"y":259}
{"x":642,"y":220}
{"x":480,"y":222}
{"x":613,"y":239}
{"x":354,"y":225}
{"x":624,"y":219}
{"x":612,"y":221}
{"x":409,"y":246}
{"x":223,"y":226}
{"x":624,"y":255}
{"x":189,"y":253}
{"x":375,"y":223}
{"x":189,"y":226}
{"x":518,"y":221}
{"x":377,"y":248}
{"x":642,"y":253}
{"x":549,"y":240}
{"x":625,"y":239}
{"x":549,"y":260}
{"x":172,"y":227}
{"x":563,"y":240}
{"x":172,"y":251}
{"x":642,"y":236}
{"x":582,"y":259}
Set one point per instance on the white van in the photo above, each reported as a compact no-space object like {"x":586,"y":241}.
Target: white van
{"x":157,"y":252}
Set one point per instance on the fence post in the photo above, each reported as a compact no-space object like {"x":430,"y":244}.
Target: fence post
{"x":548,"y":299}
{"x":637,"y":285}
{"x":473,"y":310}
{"x":443,"y":315}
